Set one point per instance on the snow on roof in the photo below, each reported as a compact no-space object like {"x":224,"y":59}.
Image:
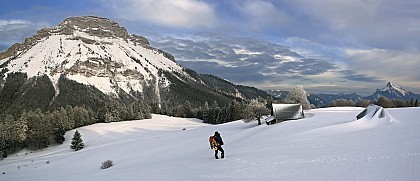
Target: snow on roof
{"x":287,"y":111}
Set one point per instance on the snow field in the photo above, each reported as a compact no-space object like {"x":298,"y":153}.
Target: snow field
{"x":325,"y":146}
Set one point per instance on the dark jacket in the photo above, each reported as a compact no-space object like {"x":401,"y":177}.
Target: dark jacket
{"x":218,"y":139}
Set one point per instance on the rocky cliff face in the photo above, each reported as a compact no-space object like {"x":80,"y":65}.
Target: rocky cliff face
{"x":94,"y":26}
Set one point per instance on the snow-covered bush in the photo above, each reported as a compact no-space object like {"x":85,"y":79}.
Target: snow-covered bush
{"x":107,"y":164}
{"x":299,"y":95}
{"x":254,"y":110}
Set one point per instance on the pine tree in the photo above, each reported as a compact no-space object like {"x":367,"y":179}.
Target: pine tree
{"x":3,"y":143}
{"x":57,"y":126}
{"x":3,"y":148}
{"x":77,"y":142}
{"x":39,"y":129}
{"x":70,"y":115}
{"x":16,"y":132}
{"x":214,"y":113}
{"x":67,"y":123}
{"x":112,"y":113}
{"x":188,"y":109}
{"x":111,"y":117}
{"x":235,"y":110}
{"x":206,"y":111}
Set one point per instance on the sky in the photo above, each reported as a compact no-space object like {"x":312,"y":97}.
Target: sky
{"x":328,"y":46}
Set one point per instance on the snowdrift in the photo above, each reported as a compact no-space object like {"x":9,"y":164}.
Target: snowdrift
{"x":372,"y":117}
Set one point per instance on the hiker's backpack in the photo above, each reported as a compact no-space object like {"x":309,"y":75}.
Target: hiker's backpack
{"x":213,"y":143}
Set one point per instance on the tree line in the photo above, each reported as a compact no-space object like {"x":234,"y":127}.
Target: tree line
{"x":210,"y":113}
{"x":36,"y":129}
{"x":381,"y":101}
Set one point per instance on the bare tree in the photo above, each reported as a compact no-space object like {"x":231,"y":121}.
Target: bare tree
{"x":254,"y":110}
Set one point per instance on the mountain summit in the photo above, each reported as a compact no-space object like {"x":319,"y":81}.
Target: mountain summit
{"x":393,"y":91}
{"x":392,"y":88}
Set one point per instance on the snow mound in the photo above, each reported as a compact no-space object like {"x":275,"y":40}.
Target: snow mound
{"x":372,"y":117}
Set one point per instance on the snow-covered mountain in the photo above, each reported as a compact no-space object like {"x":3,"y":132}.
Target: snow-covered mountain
{"x":393,"y":91}
{"x":93,"y":51}
{"x":87,"y":60}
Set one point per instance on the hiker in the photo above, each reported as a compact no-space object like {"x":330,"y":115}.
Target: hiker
{"x":216,"y":144}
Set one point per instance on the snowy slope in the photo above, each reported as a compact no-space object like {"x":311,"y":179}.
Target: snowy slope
{"x":328,"y":145}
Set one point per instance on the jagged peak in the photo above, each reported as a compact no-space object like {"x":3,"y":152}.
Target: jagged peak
{"x":393,"y":88}
{"x":390,"y":84}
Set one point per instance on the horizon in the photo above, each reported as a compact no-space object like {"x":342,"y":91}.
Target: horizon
{"x":323,"y":46}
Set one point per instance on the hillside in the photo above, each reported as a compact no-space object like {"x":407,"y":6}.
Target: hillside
{"x":330,"y":144}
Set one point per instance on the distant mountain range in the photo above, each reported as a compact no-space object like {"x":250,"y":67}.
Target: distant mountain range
{"x":390,"y":91}
{"x":393,"y":91}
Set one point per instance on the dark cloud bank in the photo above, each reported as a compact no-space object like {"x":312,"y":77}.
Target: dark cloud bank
{"x":249,"y":61}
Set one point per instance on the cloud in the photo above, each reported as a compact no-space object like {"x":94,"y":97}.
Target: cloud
{"x":14,"y":31}
{"x":168,"y":13}
{"x":354,"y":76}
{"x":267,"y":65}
{"x":261,"y":14}
{"x":245,"y":74}
{"x":243,"y":60}
{"x":374,"y":23}
{"x":4,"y":23}
{"x":390,"y":65}
{"x":341,"y":15}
